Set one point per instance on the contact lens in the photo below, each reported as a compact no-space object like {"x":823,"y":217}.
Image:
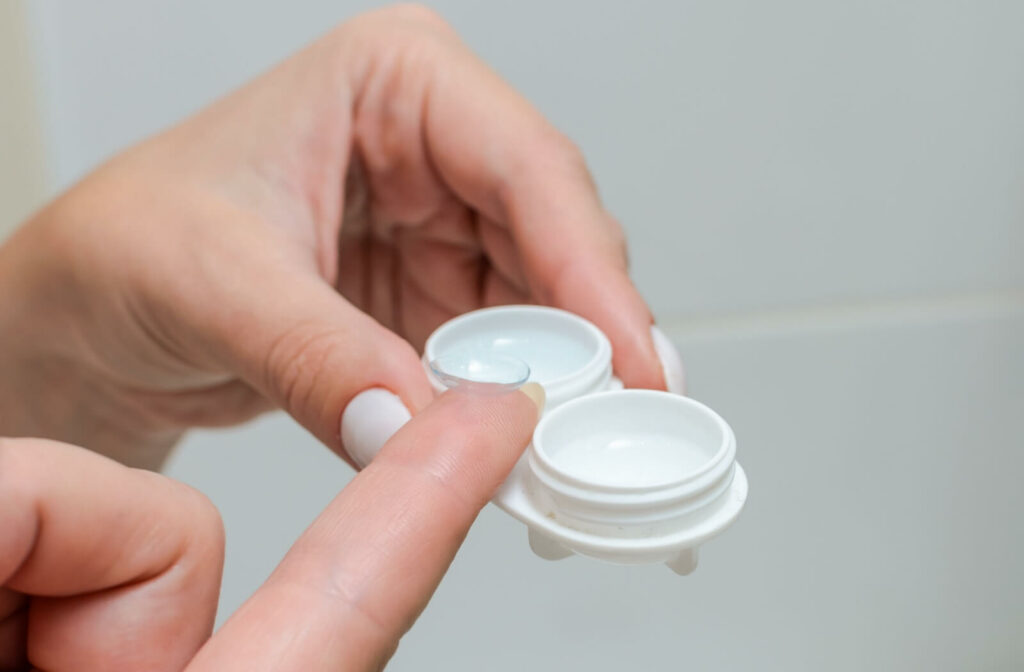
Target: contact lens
{"x":480,"y":371}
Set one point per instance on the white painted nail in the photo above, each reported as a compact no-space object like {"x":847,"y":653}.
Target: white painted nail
{"x":369,"y":420}
{"x":671,"y":361}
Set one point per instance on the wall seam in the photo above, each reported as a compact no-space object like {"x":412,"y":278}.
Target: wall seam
{"x":946,"y":308}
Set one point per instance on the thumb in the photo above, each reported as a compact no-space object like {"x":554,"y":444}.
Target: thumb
{"x":360,"y":575}
{"x":312,"y":352}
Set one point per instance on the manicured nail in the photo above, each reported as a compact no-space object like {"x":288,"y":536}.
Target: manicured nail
{"x":536,"y":394}
{"x":369,"y":420}
{"x":671,"y":361}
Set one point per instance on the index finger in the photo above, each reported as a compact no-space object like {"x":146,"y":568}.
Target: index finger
{"x":360,"y":575}
{"x":500,"y":155}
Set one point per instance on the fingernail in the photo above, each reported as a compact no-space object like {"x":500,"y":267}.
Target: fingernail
{"x":671,"y":361}
{"x":369,"y":420}
{"x":536,"y":394}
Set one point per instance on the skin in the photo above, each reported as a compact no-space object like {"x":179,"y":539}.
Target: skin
{"x":290,"y":246}
{"x":104,"y":567}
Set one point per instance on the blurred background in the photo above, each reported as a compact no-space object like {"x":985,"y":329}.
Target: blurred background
{"x":825,"y":205}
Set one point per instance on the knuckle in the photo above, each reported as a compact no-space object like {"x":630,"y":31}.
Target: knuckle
{"x":560,"y":149}
{"x":314,"y":369}
{"x":401,"y":17}
{"x":294,"y":361}
{"x":480,"y":424}
{"x":416,"y":12}
{"x":569,"y":152}
{"x":471,"y":445}
{"x":443,"y":484}
{"x":546,"y":151}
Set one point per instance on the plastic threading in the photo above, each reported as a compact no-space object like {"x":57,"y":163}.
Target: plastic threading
{"x":635,"y":510}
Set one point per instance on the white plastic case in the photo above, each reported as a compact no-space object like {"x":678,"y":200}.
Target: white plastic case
{"x":627,"y":476}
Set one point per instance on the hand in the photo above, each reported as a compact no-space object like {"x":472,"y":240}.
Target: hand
{"x":108,"y":568}
{"x":294,"y":243}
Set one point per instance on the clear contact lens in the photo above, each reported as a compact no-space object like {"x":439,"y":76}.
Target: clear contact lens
{"x":480,"y":371}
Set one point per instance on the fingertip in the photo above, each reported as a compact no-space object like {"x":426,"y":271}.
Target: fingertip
{"x":636,"y":361}
{"x":671,"y":361}
{"x":402,"y":370}
{"x":635,"y":357}
{"x":473,"y":431}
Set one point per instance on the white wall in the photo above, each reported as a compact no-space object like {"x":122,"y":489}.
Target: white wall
{"x":22,"y":179}
{"x":825,"y":202}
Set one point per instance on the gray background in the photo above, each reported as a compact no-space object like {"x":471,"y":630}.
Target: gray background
{"x":824,"y":202}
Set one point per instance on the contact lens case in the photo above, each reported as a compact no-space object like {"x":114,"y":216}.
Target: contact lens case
{"x":622,"y":475}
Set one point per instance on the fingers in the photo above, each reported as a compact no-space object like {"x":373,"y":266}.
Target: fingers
{"x":671,"y":362}
{"x":459,"y":124}
{"x":124,"y":565}
{"x":360,"y":575}
{"x":571,"y":249}
{"x":509,"y":162}
{"x":305,"y":347}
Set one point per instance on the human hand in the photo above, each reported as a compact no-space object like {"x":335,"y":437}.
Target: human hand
{"x":108,"y":568}
{"x":286,"y":246}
